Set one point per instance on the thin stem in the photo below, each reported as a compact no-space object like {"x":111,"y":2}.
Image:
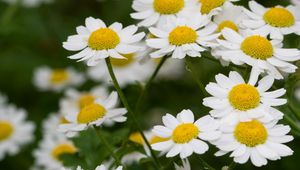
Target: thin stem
{"x":131,"y":114}
{"x":108,"y":146}
{"x":195,"y":75}
{"x":293,"y":110}
{"x":148,"y":84}
{"x":205,"y":165}
{"x":291,"y":122}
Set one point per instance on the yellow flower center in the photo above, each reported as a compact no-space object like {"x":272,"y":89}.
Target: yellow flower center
{"x":244,"y":97}
{"x":136,"y":137}
{"x":61,"y":149}
{"x":227,"y":24}
{"x":6,"y":130}
{"x":157,"y":139}
{"x":167,"y":7}
{"x":103,"y":39}
{"x":257,"y":47}
{"x":184,"y":133}
{"x":279,"y":17}
{"x":91,"y":113}
{"x":182,"y":35}
{"x":251,"y":133}
{"x":59,"y":76}
{"x":123,"y":62}
{"x":85,"y":100}
{"x":208,"y":5}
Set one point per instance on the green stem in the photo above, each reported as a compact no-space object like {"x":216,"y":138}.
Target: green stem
{"x":291,"y":122}
{"x":205,"y":165}
{"x":131,"y":114}
{"x":293,"y":110}
{"x":148,"y":84}
{"x":108,"y":146}
{"x":195,"y":75}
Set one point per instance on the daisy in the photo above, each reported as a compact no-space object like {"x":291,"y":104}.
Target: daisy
{"x":15,"y":131}
{"x":94,"y":114}
{"x":234,"y":100}
{"x":74,"y":100}
{"x":257,"y":51}
{"x":158,"y":12}
{"x":185,"y":135}
{"x":230,"y":17}
{"x":185,"y":165}
{"x":127,"y":71}
{"x":183,"y":37}
{"x":56,"y":80}
{"x":255,"y":140}
{"x":96,"y":41}
{"x":102,"y":167}
{"x":276,"y":21}
{"x":49,"y":151}
{"x":211,"y":8}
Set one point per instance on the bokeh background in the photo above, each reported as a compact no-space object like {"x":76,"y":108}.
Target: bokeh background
{"x":32,"y":37}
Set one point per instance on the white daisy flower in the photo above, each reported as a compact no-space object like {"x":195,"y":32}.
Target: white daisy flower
{"x":211,"y":8}
{"x":158,"y":12}
{"x":185,"y":135}
{"x":56,"y":80}
{"x":230,"y":17}
{"x":257,"y":51}
{"x":74,"y":100}
{"x":234,"y":100}
{"x":127,"y":71}
{"x":49,"y":151}
{"x":102,"y":167}
{"x":276,"y":21}
{"x":28,"y":3}
{"x":185,"y":165}
{"x":183,"y":37}
{"x":15,"y":131}
{"x":96,"y":41}
{"x":94,"y":114}
{"x":255,"y":140}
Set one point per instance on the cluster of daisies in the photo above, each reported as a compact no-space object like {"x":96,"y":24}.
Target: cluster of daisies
{"x":15,"y":130}
{"x":243,"y":120}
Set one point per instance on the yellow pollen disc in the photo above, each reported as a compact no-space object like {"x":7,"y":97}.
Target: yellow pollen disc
{"x":208,"y":5}
{"x":244,"y":97}
{"x":157,"y":139}
{"x":257,"y":47}
{"x":182,"y":35}
{"x":63,"y":120}
{"x":136,"y":137}
{"x":6,"y":130}
{"x":167,"y":7}
{"x":184,"y":133}
{"x":65,"y":148}
{"x":91,"y":113}
{"x":103,"y":39}
{"x":59,"y":76}
{"x":251,"y":133}
{"x":279,"y":17}
{"x":122,"y":62}
{"x":85,"y":100}
{"x":227,"y":24}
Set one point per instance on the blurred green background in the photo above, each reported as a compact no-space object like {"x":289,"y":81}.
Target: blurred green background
{"x":31,"y":37}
